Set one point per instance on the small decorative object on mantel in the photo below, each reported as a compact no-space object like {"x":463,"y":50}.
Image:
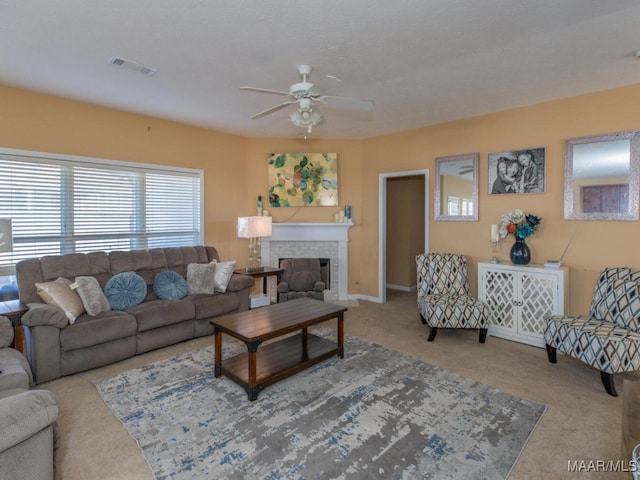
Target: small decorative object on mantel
{"x":522,"y":226}
{"x":343,"y":216}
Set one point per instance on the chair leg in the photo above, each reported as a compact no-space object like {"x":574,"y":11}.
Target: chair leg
{"x":432,"y":334}
{"x":424,"y":322}
{"x":551,"y":353}
{"x":483,"y":335}
{"x":609,"y":385}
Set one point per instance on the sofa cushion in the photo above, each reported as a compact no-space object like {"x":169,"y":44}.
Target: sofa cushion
{"x":59,"y":294}
{"x":170,"y":285}
{"x":222,"y":275}
{"x":158,"y":313}
{"x":200,"y":278}
{"x":208,"y":306}
{"x":125,"y":290}
{"x":91,"y":294}
{"x":88,"y":331}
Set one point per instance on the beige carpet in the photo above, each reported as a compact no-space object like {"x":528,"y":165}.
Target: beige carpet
{"x":581,"y":422}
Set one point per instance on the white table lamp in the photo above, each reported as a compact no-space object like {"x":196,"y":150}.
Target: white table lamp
{"x":254,"y":228}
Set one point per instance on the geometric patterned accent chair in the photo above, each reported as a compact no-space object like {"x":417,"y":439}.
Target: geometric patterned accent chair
{"x":443,"y":295}
{"x":607,"y":339}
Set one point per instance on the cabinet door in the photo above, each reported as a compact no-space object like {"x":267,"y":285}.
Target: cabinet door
{"x":500,"y":292}
{"x":538,"y":294}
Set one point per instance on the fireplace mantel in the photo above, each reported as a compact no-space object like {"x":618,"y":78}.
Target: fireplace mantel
{"x":316,"y":232}
{"x":313,"y":240}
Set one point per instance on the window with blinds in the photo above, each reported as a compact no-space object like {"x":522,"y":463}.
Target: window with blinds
{"x":60,"y":204}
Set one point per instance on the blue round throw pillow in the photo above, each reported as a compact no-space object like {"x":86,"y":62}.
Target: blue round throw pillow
{"x":125,"y":290}
{"x":170,"y":285}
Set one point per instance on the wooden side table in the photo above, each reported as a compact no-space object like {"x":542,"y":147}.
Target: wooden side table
{"x":14,"y":309}
{"x":263,"y":274}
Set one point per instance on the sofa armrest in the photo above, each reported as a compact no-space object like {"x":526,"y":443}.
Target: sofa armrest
{"x":283,"y":287}
{"x":43,"y":314}
{"x":319,"y":286}
{"x":25,"y":414}
{"x":240,"y":282}
{"x":6,"y":332}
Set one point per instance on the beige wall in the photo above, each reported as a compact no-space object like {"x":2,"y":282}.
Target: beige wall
{"x":43,"y":123}
{"x":235,"y":174}
{"x":595,"y":245}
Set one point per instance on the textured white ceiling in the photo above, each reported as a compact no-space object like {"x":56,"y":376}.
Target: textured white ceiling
{"x":422,"y":62}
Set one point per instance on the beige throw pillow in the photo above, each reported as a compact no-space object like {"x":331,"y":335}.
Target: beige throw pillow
{"x":200,"y":278}
{"x":91,"y":294}
{"x":223,"y":273}
{"x":59,"y":294}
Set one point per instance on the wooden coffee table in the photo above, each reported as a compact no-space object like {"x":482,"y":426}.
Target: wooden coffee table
{"x":259,"y":368}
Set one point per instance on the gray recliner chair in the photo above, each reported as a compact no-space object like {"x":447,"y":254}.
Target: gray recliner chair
{"x":302,"y":277}
{"x":28,"y":429}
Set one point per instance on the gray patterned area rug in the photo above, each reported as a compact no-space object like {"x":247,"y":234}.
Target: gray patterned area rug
{"x":376,"y":413}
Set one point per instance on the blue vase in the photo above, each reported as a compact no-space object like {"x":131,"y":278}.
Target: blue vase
{"x":520,"y":253}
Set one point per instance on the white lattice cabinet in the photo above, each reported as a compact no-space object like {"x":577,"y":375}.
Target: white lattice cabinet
{"x":521,"y":297}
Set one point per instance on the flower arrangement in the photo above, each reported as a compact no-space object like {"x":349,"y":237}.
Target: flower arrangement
{"x":518,"y":223}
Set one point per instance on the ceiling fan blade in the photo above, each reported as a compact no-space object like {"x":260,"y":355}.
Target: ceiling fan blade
{"x":273,"y":109}
{"x":263,"y":90}
{"x":325,"y":84}
{"x":345,"y":102}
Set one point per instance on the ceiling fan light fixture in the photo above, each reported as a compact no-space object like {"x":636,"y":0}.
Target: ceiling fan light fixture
{"x":306,"y":117}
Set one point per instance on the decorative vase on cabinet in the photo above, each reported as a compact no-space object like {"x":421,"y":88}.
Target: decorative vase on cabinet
{"x":520,"y":253}
{"x":521,"y":298}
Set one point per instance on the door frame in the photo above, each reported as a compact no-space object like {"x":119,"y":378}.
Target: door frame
{"x":382,"y":223}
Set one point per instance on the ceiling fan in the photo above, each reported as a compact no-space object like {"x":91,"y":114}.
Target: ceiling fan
{"x":307,"y":95}
{"x":464,"y":169}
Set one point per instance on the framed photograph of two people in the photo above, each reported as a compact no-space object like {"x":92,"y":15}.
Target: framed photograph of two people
{"x":517,"y":171}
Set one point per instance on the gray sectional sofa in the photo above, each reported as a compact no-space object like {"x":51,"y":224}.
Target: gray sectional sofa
{"x":55,"y":348}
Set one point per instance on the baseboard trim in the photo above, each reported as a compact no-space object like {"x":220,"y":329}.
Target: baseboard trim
{"x":368,"y":298}
{"x":402,"y":288}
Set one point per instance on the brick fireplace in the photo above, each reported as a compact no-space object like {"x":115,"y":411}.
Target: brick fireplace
{"x":313,"y":240}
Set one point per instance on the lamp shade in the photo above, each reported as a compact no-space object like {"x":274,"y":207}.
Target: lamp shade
{"x":6,"y":237}
{"x":254,"y":227}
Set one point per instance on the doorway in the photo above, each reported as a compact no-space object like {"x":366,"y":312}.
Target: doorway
{"x":411,"y":222}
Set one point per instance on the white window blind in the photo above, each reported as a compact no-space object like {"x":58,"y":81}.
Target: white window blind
{"x":60,"y":204}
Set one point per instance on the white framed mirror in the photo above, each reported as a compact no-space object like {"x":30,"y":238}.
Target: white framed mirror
{"x":601,"y":177}
{"x":456,"y":188}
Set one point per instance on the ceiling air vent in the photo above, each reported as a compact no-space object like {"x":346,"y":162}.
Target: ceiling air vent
{"x":137,"y":67}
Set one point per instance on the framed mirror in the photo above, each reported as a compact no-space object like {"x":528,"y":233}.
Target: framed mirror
{"x":601,"y":177}
{"x":456,"y":192}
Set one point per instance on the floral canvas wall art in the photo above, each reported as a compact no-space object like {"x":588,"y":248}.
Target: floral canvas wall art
{"x":303,"y":179}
